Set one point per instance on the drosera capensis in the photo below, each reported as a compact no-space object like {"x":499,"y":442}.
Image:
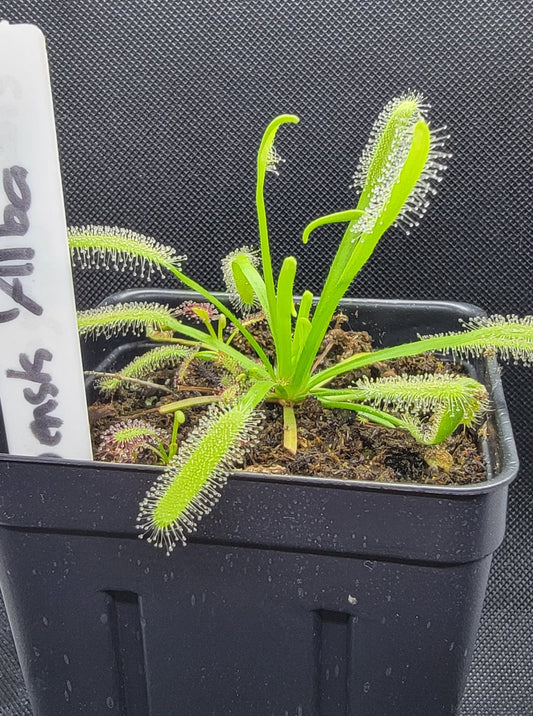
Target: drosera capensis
{"x":400,"y":168}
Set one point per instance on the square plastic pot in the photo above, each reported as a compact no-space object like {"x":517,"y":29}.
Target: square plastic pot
{"x":297,"y":596}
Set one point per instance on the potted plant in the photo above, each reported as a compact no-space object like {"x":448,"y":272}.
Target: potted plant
{"x":297,"y":594}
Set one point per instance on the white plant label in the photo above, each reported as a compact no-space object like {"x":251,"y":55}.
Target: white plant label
{"x":41,"y":377}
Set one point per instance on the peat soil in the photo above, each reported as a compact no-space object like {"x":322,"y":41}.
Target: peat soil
{"x":331,"y":443}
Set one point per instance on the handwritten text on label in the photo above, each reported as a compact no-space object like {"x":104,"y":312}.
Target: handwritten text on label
{"x":16,"y":223}
{"x":43,"y":425}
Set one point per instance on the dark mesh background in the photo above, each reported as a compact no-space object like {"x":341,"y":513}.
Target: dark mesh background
{"x":161,"y":105}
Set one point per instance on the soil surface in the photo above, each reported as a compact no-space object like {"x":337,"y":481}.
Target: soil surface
{"x":331,"y":443}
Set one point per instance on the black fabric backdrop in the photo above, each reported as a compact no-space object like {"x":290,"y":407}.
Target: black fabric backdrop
{"x":160,"y":107}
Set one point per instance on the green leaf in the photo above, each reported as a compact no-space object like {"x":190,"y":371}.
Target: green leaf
{"x":121,"y":249}
{"x":145,"y":364}
{"x":244,"y":287}
{"x":190,"y":486}
{"x":138,"y":317}
{"x":364,"y":411}
{"x":338,"y":217}
{"x":429,"y":406}
{"x":282,"y":332}
{"x":460,"y":394}
{"x":251,"y":282}
{"x":265,"y":157}
{"x":437,"y":428}
{"x":508,"y":336}
{"x":396,"y":172}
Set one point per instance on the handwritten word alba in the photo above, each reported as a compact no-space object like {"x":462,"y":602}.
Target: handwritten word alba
{"x":16,"y":223}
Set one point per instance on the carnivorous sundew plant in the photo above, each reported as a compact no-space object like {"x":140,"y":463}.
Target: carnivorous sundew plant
{"x":398,"y":172}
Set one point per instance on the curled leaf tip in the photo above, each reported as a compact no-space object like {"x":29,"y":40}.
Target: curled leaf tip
{"x":400,"y":166}
{"x":240,"y":292}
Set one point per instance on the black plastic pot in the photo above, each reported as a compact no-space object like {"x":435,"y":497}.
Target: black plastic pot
{"x":297,"y":597}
